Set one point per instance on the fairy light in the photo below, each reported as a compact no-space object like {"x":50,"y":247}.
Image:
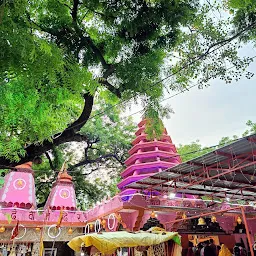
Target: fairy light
{"x":172,"y":195}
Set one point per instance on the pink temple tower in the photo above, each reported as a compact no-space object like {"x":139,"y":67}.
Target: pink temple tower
{"x":19,"y":188}
{"x":62,"y":195}
{"x":147,"y":157}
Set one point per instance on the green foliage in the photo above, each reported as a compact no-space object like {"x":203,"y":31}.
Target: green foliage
{"x":52,"y":51}
{"x":195,"y":149}
{"x":191,"y":151}
{"x":209,"y":49}
{"x":244,"y":14}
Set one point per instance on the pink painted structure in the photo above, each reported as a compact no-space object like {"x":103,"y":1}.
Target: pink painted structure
{"x":147,"y":157}
{"x":17,"y":197}
{"x":19,"y":188}
{"x":62,"y":195}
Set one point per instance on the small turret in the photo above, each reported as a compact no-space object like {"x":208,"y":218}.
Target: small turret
{"x":19,"y":188}
{"x":62,"y":195}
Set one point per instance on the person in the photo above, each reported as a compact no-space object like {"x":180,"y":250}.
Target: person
{"x":236,"y":249}
{"x":198,"y":249}
{"x":208,"y":251}
{"x":242,"y":250}
{"x":202,"y":249}
{"x":190,"y":249}
{"x":218,"y":248}
{"x":254,"y":248}
{"x":224,"y":251}
{"x":213,"y":246}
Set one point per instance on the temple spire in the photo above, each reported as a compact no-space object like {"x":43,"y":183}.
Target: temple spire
{"x":147,"y":157}
{"x":19,"y":188}
{"x":62,"y":195}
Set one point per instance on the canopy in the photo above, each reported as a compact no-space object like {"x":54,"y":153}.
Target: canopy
{"x":108,"y":242}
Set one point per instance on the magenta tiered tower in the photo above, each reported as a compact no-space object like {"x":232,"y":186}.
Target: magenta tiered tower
{"x":147,"y":157}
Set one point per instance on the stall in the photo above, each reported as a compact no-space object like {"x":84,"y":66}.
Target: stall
{"x":156,"y":241}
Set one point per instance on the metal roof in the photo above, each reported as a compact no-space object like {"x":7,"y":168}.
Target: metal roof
{"x":229,"y":171}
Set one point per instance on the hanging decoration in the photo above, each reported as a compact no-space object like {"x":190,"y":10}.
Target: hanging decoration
{"x":70,"y":231}
{"x":213,"y":219}
{"x":55,"y":228}
{"x":239,"y":220}
{"x":15,"y":232}
{"x":87,"y":229}
{"x":103,"y":223}
{"x":112,"y":217}
{"x":153,"y":214}
{"x":91,"y":226}
{"x":38,"y":229}
{"x":97,"y":226}
{"x":119,"y":220}
{"x":2,"y":229}
{"x":201,"y":222}
{"x":184,"y":216}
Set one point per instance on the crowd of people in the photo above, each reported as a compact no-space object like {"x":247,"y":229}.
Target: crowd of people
{"x":208,"y":248}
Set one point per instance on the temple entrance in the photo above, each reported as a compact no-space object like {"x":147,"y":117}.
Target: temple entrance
{"x":57,"y":249}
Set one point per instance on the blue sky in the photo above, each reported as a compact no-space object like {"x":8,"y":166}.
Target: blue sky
{"x":214,"y":112}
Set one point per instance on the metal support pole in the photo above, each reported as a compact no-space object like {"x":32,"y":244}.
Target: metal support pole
{"x":247,"y":231}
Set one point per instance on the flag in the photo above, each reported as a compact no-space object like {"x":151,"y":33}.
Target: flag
{"x":8,"y":217}
{"x":15,"y":231}
{"x":60,"y":219}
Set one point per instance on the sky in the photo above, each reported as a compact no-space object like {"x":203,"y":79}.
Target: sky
{"x":209,"y":114}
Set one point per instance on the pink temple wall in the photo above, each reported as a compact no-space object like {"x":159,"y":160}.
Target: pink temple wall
{"x":58,"y":200}
{"x":129,"y":218}
{"x":44,"y":216}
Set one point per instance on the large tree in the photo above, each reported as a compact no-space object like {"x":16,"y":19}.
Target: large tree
{"x":58,"y":56}
{"x":94,"y":164}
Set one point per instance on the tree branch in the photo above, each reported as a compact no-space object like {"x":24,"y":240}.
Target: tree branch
{"x":75,"y":10}
{"x":110,"y":87}
{"x":84,"y":41}
{"x":50,"y":160}
{"x":66,"y":5}
{"x":99,"y":13}
{"x":225,"y":41}
{"x":68,"y":135}
{"x":97,"y":160}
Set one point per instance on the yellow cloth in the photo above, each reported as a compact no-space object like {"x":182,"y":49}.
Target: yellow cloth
{"x":224,"y":251}
{"x":108,"y":242}
{"x":41,"y":250}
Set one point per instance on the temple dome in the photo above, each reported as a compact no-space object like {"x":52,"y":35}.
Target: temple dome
{"x":19,"y":180}
{"x":62,"y":195}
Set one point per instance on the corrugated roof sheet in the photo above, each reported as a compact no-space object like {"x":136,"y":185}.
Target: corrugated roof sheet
{"x":212,"y":173}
